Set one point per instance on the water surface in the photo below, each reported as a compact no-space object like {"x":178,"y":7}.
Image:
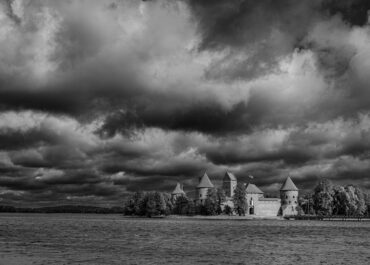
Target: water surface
{"x":112,"y":239}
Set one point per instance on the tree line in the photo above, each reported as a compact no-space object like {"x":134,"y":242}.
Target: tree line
{"x":63,"y":209}
{"x":160,"y":203}
{"x":328,"y":199}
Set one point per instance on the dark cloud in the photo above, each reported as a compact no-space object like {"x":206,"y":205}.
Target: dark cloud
{"x":203,"y":117}
{"x":101,"y":99}
{"x":354,"y":12}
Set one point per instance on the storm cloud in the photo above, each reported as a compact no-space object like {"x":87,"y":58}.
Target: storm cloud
{"x":102,"y":98}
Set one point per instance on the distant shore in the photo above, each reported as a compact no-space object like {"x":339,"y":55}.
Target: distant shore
{"x":213,"y":217}
{"x":226,"y":217}
{"x":252,"y":217}
{"x":62,"y":209}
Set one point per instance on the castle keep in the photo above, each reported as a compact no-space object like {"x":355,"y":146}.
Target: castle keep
{"x":257,"y":204}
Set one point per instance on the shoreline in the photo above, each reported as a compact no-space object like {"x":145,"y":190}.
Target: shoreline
{"x":210,"y":217}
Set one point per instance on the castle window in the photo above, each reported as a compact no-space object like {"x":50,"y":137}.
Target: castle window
{"x":286,"y":197}
{"x":290,"y":202}
{"x":293,"y":196}
{"x":200,"y":195}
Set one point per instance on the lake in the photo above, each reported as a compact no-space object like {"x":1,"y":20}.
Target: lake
{"x":113,"y":239}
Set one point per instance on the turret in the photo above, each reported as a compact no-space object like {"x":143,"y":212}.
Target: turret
{"x":202,"y":189}
{"x":229,"y":184}
{"x":177,"y":192}
{"x":289,"y":197}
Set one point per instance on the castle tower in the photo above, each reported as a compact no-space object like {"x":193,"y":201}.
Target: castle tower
{"x":289,"y":198}
{"x":253,"y":195}
{"x":229,"y":184}
{"x":177,"y":192}
{"x":202,"y":189}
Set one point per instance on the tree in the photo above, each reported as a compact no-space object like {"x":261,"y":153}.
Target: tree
{"x":140,"y":203}
{"x":239,"y":199}
{"x":129,"y":206}
{"x":155,"y":204}
{"x":190,"y":208}
{"x":150,"y":205}
{"x":323,"y":197}
{"x":340,"y":201}
{"x":160,"y":203}
{"x":213,"y":202}
{"x":169,"y":204}
{"x":367,"y":203}
{"x":228,"y":210}
{"x":361,"y":203}
{"x":349,"y":200}
{"x":352,"y":202}
{"x":135,"y":204}
{"x":182,"y":205}
{"x":307,"y":204}
{"x":221,"y":197}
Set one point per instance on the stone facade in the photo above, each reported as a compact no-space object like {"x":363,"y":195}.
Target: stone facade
{"x":202,"y":188}
{"x":229,"y":184}
{"x":268,"y":207}
{"x":289,"y":198}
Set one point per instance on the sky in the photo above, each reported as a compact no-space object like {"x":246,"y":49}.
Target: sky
{"x":102,"y":98}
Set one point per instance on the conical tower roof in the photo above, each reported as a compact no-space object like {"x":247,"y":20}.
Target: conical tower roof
{"x":288,"y":185}
{"x":178,"y":189}
{"x":205,"y":182}
{"x":230,"y":176}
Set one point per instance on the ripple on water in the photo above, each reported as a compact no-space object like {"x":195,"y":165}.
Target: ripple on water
{"x":112,"y":239}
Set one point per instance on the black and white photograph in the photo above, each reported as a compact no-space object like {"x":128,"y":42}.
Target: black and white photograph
{"x":187,"y":132}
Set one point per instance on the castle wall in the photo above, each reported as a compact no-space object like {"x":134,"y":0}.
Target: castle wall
{"x":268,"y":207}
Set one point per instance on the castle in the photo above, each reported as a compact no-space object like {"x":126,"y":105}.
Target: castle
{"x":257,"y":204}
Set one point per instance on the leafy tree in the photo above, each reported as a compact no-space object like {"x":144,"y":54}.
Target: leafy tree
{"x":228,"y":210}
{"x":299,"y":210}
{"x":323,"y":197}
{"x":140,"y":203}
{"x":221,"y":198}
{"x":349,"y":200}
{"x":361,"y":203}
{"x":190,"y":208}
{"x":182,"y":205}
{"x":367,"y":203}
{"x":169,"y":204}
{"x":340,"y":201}
{"x":213,"y":202}
{"x":129,"y":206}
{"x":154,"y":204}
{"x":307,"y":204}
{"x":150,"y":205}
{"x":160,"y":203}
{"x":239,"y":199}
{"x":135,"y":204}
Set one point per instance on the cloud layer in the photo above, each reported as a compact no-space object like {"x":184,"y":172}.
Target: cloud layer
{"x":101,"y":98}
